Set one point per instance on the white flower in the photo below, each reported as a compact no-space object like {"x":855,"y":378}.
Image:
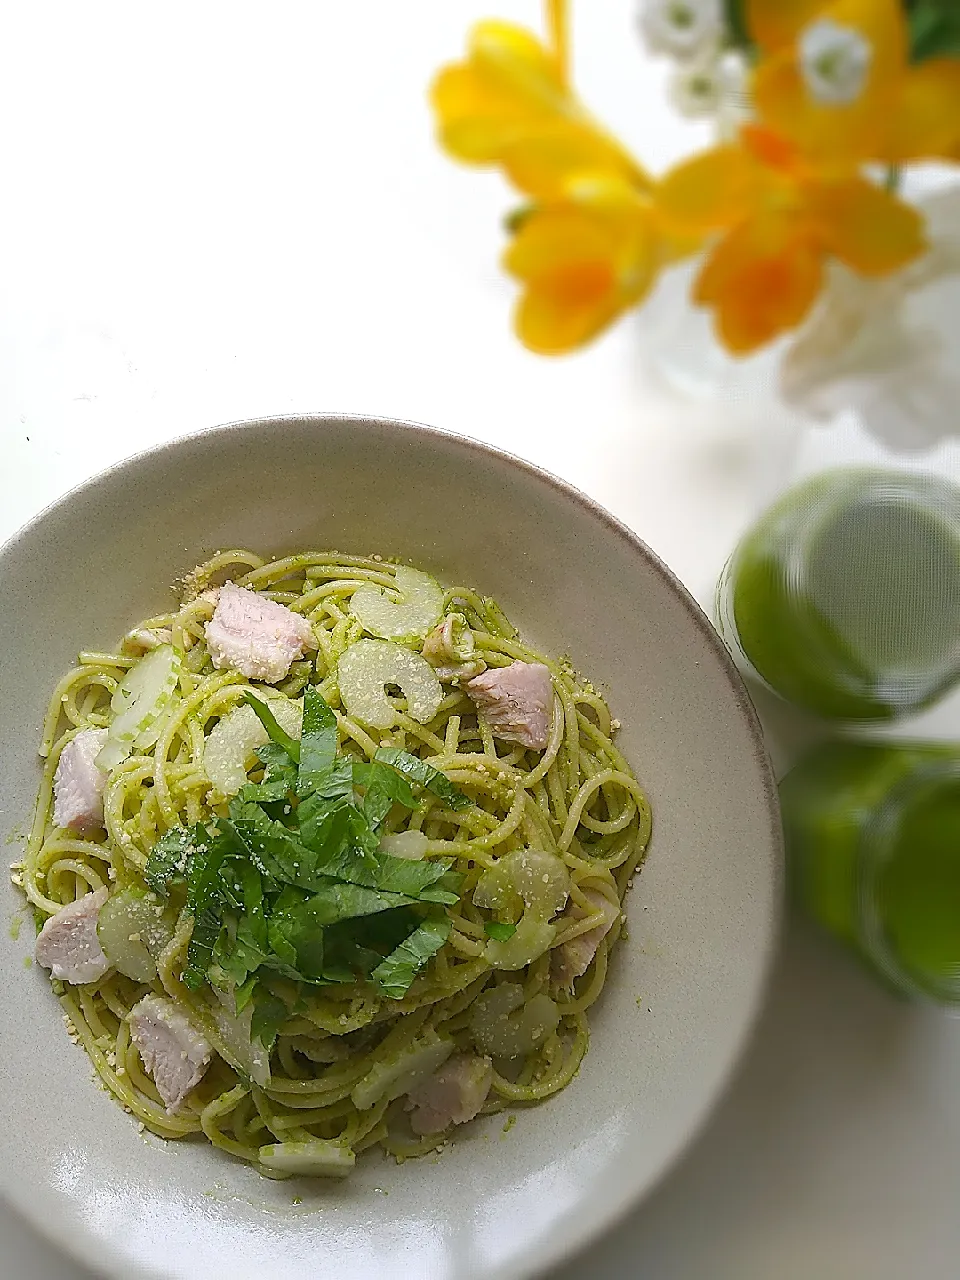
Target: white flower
{"x":713,"y":85}
{"x":835,"y":62}
{"x":696,"y":88}
{"x":889,"y":348}
{"x":683,"y":28}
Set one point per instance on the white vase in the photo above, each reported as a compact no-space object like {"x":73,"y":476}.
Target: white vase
{"x":888,"y":349}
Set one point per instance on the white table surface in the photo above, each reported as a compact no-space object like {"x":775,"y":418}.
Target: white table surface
{"x":215,"y":211}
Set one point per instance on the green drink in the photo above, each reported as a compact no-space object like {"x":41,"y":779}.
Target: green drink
{"x":845,"y":596}
{"x":873,"y":842}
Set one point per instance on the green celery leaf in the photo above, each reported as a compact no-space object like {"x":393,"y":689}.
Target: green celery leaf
{"x":244,"y":994}
{"x":170,"y":857}
{"x":269,"y":1015}
{"x":336,"y":901}
{"x":355,"y":947}
{"x":279,"y":776}
{"x":253,"y":906}
{"x":252,"y":942}
{"x":499,"y":930}
{"x":394,"y":975}
{"x":229,"y":957}
{"x":290,"y":745}
{"x":244,"y":943}
{"x":279,"y":928}
{"x":203,"y":939}
{"x":424,"y":774}
{"x":325,"y":937}
{"x":271,"y":846}
{"x":325,"y":827}
{"x":264,"y":792}
{"x":206,"y":903}
{"x":425,"y":881}
{"x":263,"y":862}
{"x":336,"y":783}
{"x":384,"y":787}
{"x":318,"y":742}
{"x":277,"y":764}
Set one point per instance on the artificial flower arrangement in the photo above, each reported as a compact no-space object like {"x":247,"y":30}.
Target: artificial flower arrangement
{"x":820,"y":106}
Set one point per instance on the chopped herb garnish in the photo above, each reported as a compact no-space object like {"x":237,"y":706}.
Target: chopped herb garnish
{"x":318,"y":742}
{"x":394,"y":975}
{"x":292,"y":881}
{"x":424,"y":774}
{"x":269,"y":1015}
{"x":280,"y":736}
{"x":498,"y":930}
{"x":170,"y":856}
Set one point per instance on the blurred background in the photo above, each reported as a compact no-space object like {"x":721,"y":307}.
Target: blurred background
{"x":216,"y":212}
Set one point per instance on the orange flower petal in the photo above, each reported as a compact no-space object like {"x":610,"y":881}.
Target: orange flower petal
{"x":774,"y":23}
{"x":567,"y":310}
{"x":582,"y":268}
{"x":867,"y":228}
{"x":554,"y":238}
{"x":769,"y":148}
{"x":839,"y":132}
{"x":710,"y":191}
{"x":926,"y":124}
{"x":756,"y":237}
{"x":763,"y":279}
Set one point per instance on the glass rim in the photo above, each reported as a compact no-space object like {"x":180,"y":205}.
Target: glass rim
{"x":873,"y":853}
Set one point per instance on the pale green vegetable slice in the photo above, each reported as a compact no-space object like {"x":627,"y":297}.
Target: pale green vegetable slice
{"x":133,"y":928}
{"x":504,"y":1027}
{"x":527,"y":880}
{"x":416,"y":607}
{"x":405,"y":844}
{"x":529,"y":884}
{"x":531,"y":940}
{"x":366,"y":669}
{"x":449,"y":643}
{"x":401,"y":1071}
{"x":237,"y":1043}
{"x":138,"y":705}
{"x":229,"y":752}
{"x":316,"y":1159}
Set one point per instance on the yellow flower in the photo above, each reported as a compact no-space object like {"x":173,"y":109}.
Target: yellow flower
{"x":508,"y":104}
{"x":591,"y":244}
{"x":835,"y":79}
{"x":583,"y":261}
{"x":778,"y":219}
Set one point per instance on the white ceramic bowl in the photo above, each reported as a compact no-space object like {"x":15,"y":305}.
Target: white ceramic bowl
{"x":682,"y":993}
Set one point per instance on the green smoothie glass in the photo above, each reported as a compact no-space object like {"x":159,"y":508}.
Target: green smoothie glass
{"x":844,"y":597}
{"x":873,"y":845}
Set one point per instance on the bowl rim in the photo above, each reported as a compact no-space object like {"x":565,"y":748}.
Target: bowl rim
{"x":632,"y":1196}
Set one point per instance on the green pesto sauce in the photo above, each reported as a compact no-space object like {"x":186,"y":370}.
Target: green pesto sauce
{"x":846,"y":594}
{"x":919,"y":888}
{"x":848,"y":806}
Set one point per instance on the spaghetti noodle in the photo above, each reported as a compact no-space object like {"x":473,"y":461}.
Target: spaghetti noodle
{"x":577,"y":801}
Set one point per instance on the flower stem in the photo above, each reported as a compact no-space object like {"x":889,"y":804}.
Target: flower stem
{"x":894,"y":177}
{"x":558,"y":29}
